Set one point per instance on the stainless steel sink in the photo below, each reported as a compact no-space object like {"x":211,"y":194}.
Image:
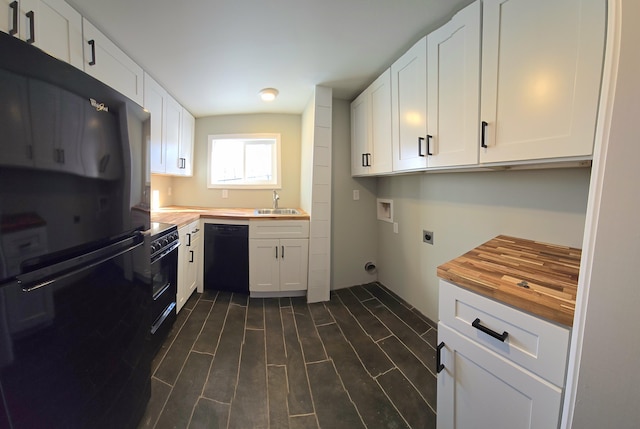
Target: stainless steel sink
{"x":276,"y":212}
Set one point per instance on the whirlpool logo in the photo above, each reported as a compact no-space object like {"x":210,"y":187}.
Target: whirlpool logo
{"x":99,"y":106}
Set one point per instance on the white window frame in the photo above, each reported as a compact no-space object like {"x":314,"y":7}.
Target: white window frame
{"x":276,"y":160}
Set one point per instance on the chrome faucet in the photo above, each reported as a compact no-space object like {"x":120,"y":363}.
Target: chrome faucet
{"x":276,"y":197}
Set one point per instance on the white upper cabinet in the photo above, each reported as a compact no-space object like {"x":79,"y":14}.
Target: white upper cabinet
{"x":107,"y":63}
{"x":172,"y":131}
{"x":541,"y":72}
{"x":155,"y":98}
{"x":371,"y":129}
{"x":409,"y":108}
{"x":51,"y":25}
{"x":185,"y":153}
{"x":454,"y":90}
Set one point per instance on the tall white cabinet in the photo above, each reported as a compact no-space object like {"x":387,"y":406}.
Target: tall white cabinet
{"x":371,"y":128}
{"x":409,"y":108}
{"x":453,"y":88}
{"x":541,"y":72}
{"x":172,"y":131}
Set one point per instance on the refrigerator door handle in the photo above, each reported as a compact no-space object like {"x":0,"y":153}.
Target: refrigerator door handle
{"x":47,"y":275}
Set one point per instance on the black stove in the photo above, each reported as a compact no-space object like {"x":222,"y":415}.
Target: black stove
{"x":163,"y":242}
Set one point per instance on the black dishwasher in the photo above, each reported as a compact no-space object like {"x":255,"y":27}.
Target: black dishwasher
{"x":226,"y":257}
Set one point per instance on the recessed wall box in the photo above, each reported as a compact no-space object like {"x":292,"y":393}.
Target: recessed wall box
{"x":385,"y":209}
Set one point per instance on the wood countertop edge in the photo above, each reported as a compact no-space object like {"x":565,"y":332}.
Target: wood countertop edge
{"x":181,"y":216}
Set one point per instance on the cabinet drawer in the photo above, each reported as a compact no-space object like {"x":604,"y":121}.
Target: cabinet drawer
{"x":279,"y":229}
{"x":533,"y":343}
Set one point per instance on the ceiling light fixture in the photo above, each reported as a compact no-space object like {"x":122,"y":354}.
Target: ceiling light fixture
{"x":268,"y":94}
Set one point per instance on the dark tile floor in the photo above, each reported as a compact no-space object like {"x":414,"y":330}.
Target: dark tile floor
{"x":365,"y":359}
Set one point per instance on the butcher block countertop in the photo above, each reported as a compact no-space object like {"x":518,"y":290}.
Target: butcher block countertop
{"x":539,"y":278}
{"x":181,"y":215}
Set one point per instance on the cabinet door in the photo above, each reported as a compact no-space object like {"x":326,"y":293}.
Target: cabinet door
{"x":264,"y":265}
{"x":409,"y":108}
{"x":109,"y":64}
{"x":15,"y":144}
{"x":478,"y":388}
{"x":171,"y":127}
{"x":360,"y":135}
{"x":380,"y":124}
{"x":185,"y":160}
{"x":541,"y":72}
{"x":454,"y":90}
{"x":294,"y":257}
{"x":154,"y":101}
{"x":55,"y":27}
{"x":191,"y":255}
{"x":10,"y":13}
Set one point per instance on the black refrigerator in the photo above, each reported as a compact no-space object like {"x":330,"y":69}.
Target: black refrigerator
{"x":74,"y":285}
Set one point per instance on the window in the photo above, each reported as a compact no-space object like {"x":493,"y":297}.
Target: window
{"x":249,"y":161}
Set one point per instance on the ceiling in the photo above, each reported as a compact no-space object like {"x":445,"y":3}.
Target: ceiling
{"x":214,"y":56}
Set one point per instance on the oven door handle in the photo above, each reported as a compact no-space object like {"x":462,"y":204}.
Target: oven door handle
{"x":160,"y":320}
{"x":47,"y":275}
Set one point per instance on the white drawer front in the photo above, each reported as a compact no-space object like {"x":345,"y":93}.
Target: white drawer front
{"x":535,"y":344}
{"x":279,"y":229}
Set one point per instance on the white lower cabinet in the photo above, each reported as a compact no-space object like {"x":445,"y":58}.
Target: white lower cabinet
{"x":498,"y":367}
{"x":480,"y":389}
{"x":278,"y":256}
{"x":188,"y":262}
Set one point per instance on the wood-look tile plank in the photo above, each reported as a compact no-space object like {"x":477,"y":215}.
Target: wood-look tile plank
{"x":255,"y":313}
{"x":361,"y":293}
{"x":398,"y":307}
{"x":209,"y":414}
{"x":221,"y":383}
{"x":209,"y":336}
{"x":177,"y":412}
{"x":372,"y":403}
{"x":303,"y":422}
{"x":273,"y":330}
{"x":368,"y":321}
{"x":241,"y":299}
{"x":374,"y":360}
{"x":407,"y":400}
{"x":309,"y":338}
{"x":421,"y":378}
{"x":249,"y":405}
{"x":327,"y":388}
{"x":277,"y":387}
{"x":418,"y":346}
{"x":320,"y":314}
{"x":176,"y":356}
{"x":299,"y":398}
{"x":159,"y":393}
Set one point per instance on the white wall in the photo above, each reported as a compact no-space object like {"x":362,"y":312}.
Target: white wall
{"x":193,"y":191}
{"x":466,"y":209}
{"x":606,"y":344}
{"x":354,"y":235}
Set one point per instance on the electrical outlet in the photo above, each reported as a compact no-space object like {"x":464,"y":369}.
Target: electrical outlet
{"x":395,"y":227}
{"x":427,"y":236}
{"x":169,"y":190}
{"x":225,"y":193}
{"x":356,"y":195}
